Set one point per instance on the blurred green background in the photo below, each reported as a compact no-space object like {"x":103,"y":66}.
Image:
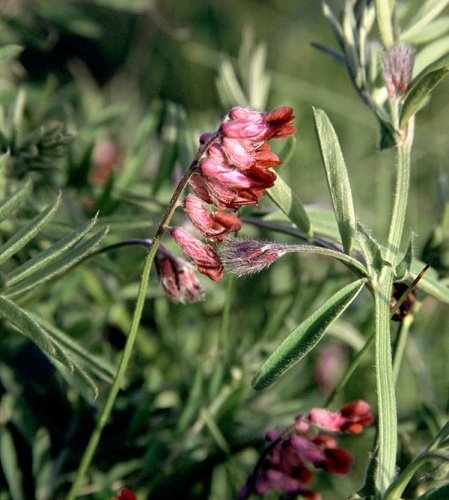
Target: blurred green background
{"x":116,"y":72}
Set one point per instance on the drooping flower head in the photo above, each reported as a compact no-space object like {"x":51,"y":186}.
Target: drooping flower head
{"x":233,"y":171}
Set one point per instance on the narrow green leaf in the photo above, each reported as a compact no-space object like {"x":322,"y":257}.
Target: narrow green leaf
{"x":335,"y":25}
{"x":426,"y":14}
{"x":25,"y":324}
{"x":10,"y":465}
{"x":14,"y":201}
{"x":432,"y":31}
{"x":371,"y":250}
{"x":422,"y":86}
{"x":94,"y":364}
{"x":306,"y":336}
{"x":291,"y":205}
{"x":24,"y":235}
{"x":44,"y":258}
{"x":59,"y":266}
{"x":430,"y":283}
{"x":31,"y":329}
{"x":337,"y":178}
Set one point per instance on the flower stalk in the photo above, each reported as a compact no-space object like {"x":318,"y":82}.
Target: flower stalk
{"x":137,"y":315}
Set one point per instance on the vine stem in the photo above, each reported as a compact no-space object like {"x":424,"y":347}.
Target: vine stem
{"x":385,"y":377}
{"x":137,"y":315}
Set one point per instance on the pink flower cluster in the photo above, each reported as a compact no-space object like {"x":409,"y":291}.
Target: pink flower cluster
{"x":285,"y":463}
{"x":233,"y":171}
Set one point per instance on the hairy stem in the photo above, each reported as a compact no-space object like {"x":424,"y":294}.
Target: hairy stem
{"x":385,"y":377}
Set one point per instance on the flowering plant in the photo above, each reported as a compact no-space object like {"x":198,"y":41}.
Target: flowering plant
{"x":186,"y":388}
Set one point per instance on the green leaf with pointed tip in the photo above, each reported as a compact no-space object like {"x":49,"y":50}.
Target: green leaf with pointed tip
{"x":10,"y":204}
{"x":59,"y":266}
{"x":371,"y":250}
{"x":91,"y":363}
{"x":282,"y":195}
{"x":46,"y":257}
{"x":337,"y":178}
{"x":24,"y":235}
{"x":428,"y":11}
{"x":26,"y":325}
{"x":422,"y":86}
{"x":306,"y":336}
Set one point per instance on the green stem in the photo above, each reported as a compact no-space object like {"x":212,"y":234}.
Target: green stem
{"x":387,"y":419}
{"x":400,"y":344}
{"x":385,"y":378}
{"x":120,"y":375}
{"x":400,"y":204}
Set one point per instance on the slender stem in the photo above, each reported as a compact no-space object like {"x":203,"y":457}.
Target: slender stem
{"x":385,"y":377}
{"x":126,"y":356}
{"x":400,"y":204}
{"x":399,"y":347}
{"x":387,"y":418}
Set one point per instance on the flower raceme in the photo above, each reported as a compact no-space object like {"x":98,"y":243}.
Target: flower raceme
{"x":285,"y":463}
{"x":233,"y":171}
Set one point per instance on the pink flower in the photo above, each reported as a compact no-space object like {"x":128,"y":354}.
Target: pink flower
{"x":232,"y":171}
{"x":351,"y":418}
{"x":285,"y":463}
{"x":203,"y":255}
{"x":213,"y":225}
{"x":239,"y":158}
{"x":177,"y":277}
{"x":333,"y":460}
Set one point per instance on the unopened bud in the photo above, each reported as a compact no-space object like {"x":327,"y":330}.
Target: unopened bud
{"x":398,"y":67}
{"x":242,"y":257}
{"x":177,"y":277}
